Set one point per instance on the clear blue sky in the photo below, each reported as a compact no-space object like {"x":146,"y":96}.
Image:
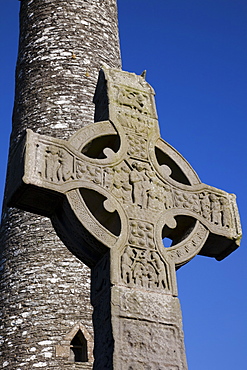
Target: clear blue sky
{"x":195,"y":53}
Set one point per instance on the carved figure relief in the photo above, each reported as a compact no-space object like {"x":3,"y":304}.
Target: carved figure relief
{"x":80,"y":169}
{"x":144,"y":268}
{"x":134,"y":122}
{"x":219,"y":211}
{"x":57,"y":167}
{"x":51,"y":163}
{"x":64,"y":170}
{"x":161,"y":195}
{"x":60,"y":166}
{"x":126,"y":187}
{"x":213,"y":208}
{"x":118,"y":182}
{"x":154,"y":342}
{"x":205,"y":205}
{"x":133,"y":99}
{"x":127,"y":262}
{"x":108,"y":177}
{"x":136,"y":182}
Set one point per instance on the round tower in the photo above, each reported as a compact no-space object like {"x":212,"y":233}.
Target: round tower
{"x":45,"y":290}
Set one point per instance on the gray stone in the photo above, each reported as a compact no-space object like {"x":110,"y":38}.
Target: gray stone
{"x":119,"y":188}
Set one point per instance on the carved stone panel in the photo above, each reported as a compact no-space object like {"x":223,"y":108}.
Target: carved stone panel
{"x":143,"y":268}
{"x":147,"y":330}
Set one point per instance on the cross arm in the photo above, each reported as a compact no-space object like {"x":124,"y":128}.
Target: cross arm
{"x":199,"y":219}
{"x":206,"y":222}
{"x":50,"y":177}
{"x":28,"y":190}
{"x":42,"y":169}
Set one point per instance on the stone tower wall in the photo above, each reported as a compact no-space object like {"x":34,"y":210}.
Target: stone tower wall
{"x":44,"y":289}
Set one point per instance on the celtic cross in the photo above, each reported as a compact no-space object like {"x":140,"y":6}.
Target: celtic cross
{"x":113,"y":191}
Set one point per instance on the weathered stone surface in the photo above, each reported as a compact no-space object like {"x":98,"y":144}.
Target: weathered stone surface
{"x":45,"y":290}
{"x":148,"y":329}
{"x":119,"y":187}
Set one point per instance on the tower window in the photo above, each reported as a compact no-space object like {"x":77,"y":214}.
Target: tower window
{"x":78,"y":348}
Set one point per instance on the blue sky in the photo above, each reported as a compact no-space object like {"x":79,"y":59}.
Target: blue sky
{"x":195,"y":55}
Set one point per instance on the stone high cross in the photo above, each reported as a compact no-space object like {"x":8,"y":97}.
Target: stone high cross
{"x":113,"y":191}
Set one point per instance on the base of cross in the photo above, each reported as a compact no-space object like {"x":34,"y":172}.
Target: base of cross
{"x":135,"y":328}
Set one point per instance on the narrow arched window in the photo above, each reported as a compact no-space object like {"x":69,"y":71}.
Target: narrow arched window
{"x":78,"y":348}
